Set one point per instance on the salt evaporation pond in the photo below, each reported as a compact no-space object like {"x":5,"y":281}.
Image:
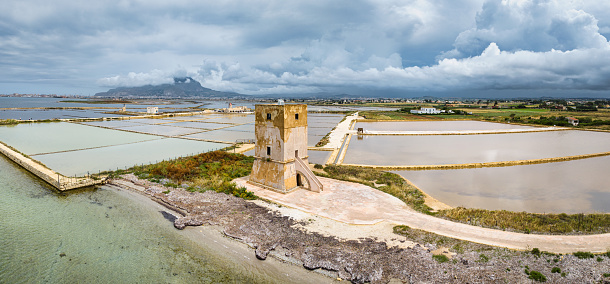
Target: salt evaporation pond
{"x":81,"y":162}
{"x":578,"y":186}
{"x":78,"y":149}
{"x":110,"y":236}
{"x":461,"y":149}
{"x":35,"y":138}
{"x":318,"y":157}
{"x":43,"y":114}
{"x":436,"y":125}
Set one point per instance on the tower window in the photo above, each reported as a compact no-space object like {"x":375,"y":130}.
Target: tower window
{"x":268,"y":151}
{"x":268,"y":116}
{"x":296,"y":116}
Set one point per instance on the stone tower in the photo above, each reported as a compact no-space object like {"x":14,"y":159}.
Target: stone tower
{"x":281,"y":149}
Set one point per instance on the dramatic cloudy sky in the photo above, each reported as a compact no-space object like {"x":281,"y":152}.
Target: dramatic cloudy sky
{"x":410,"y":48}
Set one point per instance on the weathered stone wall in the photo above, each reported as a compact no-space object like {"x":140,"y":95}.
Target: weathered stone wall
{"x":44,"y":173}
{"x":276,"y":126}
{"x":28,"y":164}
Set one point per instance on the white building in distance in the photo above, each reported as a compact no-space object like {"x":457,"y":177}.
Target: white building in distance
{"x":427,"y":110}
{"x":152,"y":110}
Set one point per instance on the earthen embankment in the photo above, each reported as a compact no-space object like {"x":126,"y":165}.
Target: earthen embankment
{"x":480,"y":165}
{"x":51,"y":177}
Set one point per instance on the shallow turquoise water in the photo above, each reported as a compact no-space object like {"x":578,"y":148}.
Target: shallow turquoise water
{"x":94,"y":236}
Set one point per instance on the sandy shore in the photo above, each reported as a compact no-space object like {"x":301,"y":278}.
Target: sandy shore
{"x":238,"y":255}
{"x":357,"y":253}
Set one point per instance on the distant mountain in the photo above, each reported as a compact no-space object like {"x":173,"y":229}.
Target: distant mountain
{"x":181,"y":88}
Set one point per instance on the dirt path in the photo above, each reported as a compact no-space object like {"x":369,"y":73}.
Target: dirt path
{"x":358,"y":204}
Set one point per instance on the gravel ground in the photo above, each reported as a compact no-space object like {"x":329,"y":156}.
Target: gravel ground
{"x":368,"y":260}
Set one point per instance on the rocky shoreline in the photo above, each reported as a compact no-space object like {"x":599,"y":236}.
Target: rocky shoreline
{"x":364,"y":260}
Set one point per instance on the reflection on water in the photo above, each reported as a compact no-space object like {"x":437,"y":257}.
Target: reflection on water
{"x":570,"y":187}
{"x":436,"y":125}
{"x":461,"y":149}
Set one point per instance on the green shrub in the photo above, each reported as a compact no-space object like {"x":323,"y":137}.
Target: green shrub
{"x":483,"y":258}
{"x":166,"y":192}
{"x":537,"y":276}
{"x":556,"y":270}
{"x":318,"y":166}
{"x":599,"y":259}
{"x":536,"y":251}
{"x":208,"y":171}
{"x":606,"y":274}
{"x":8,"y":122}
{"x":440,"y":258}
{"x":583,"y":254}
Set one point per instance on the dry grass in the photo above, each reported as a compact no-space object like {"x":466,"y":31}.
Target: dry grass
{"x":208,"y":171}
{"x":530,"y":222}
{"x":523,"y":222}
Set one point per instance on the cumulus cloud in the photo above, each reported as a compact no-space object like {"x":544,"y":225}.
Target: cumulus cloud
{"x":276,"y":46}
{"x":155,"y":77}
{"x":493,"y":69}
{"x":535,"y":25}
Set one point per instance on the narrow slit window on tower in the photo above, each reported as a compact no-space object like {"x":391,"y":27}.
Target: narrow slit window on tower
{"x":268,"y":151}
{"x":296,"y":116}
{"x":268,"y":116}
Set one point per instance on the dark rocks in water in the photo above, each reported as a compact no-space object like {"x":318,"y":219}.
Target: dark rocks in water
{"x":62,"y":254}
{"x":181,"y":223}
{"x":359,"y":261}
{"x":261,"y":254}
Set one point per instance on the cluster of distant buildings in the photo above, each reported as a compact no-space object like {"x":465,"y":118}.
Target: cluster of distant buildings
{"x":427,"y":110}
{"x":238,"y":109}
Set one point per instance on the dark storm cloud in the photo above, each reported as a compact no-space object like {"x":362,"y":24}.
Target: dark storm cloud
{"x":259,"y":47}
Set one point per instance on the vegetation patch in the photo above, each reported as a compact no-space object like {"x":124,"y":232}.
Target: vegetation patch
{"x":440,"y":258}
{"x":390,"y":183}
{"x":8,"y":121}
{"x":325,"y":139}
{"x":523,"y":222}
{"x":583,"y":254}
{"x":423,"y":237}
{"x":530,"y":222}
{"x":402,"y":114}
{"x":207,"y":171}
{"x":535,"y":275}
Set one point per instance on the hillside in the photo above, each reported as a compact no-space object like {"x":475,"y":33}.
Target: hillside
{"x":181,"y":88}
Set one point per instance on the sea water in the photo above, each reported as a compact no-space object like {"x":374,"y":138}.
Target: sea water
{"x":104,"y":236}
